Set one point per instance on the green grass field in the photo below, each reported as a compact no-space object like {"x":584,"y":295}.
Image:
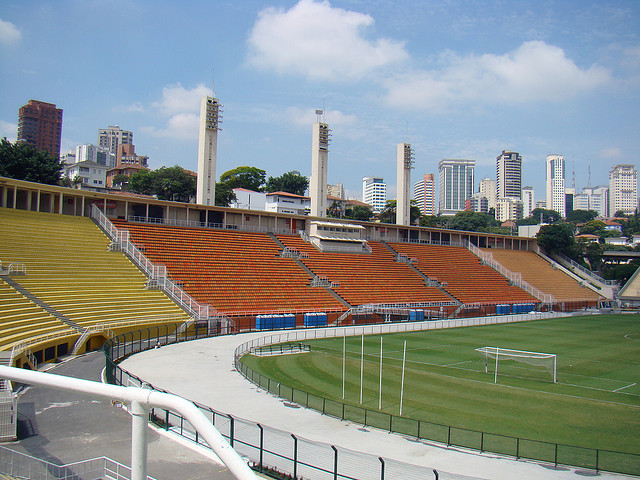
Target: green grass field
{"x":594,"y":404}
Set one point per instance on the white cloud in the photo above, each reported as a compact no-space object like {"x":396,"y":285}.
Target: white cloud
{"x":181,"y":126}
{"x":533,"y":72}
{"x":9,"y":33}
{"x":136,"y":107}
{"x":319,"y":42}
{"x":305,"y":117}
{"x":9,"y":130}
{"x":611,"y":153}
{"x":177,"y":99}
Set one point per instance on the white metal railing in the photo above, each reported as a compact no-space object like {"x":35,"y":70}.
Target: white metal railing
{"x":17,"y":269}
{"x":514,"y":277}
{"x":289,"y":252}
{"x":586,"y":271}
{"x":157,"y":273}
{"x":215,"y":226}
{"x":19,"y":465}
{"x":140,"y":402}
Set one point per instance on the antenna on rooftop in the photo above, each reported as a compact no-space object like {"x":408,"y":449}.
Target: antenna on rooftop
{"x":213,"y":89}
{"x":573,"y":181}
{"x":589,"y":170}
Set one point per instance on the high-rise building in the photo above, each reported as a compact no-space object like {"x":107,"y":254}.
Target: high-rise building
{"x":40,"y":125}
{"x":488,"y":190}
{"x":336,"y":190}
{"x":424,"y":193}
{"x":477,"y":203}
{"x":556,"y":184}
{"x":456,"y":179}
{"x":210,"y":119}
{"x":374,"y":193}
{"x":404,"y":162}
{"x":509,"y":208}
{"x":528,"y":201}
{"x":509,"y":175}
{"x":319,"y":164}
{"x":128,"y":162}
{"x":593,"y":198}
{"x":623,"y":189}
{"x":112,"y":137}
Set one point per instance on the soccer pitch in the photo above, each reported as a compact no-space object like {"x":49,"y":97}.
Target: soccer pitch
{"x":594,"y":404}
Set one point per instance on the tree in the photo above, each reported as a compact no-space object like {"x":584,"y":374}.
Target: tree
{"x":472,"y":221}
{"x":388,"y":214}
{"x":167,"y":183}
{"x":594,"y":227}
{"x":334,"y":210}
{"x":581,"y":216}
{"x":26,"y":162}
{"x":122,"y":180}
{"x":251,"y":178}
{"x":361,"y":213}
{"x":291,"y":182}
{"x":593,"y":253}
{"x":620,"y":214}
{"x":430,"y":221}
{"x":540,"y":215}
{"x":224,"y":195}
{"x":174,"y":183}
{"x":557,"y":239}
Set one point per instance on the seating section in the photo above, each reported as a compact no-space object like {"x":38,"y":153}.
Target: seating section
{"x":538,"y":272}
{"x":462,"y":274}
{"x":69,"y":267}
{"x":235,"y":272}
{"x":363,"y":278}
{"x":20,"y":318}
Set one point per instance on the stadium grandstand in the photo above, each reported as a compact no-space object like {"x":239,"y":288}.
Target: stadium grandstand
{"x":80,"y":267}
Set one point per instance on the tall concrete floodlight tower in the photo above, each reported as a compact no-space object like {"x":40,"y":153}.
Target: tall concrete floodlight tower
{"x":405,"y":161}
{"x":210,"y":118}
{"x":319,"y":161}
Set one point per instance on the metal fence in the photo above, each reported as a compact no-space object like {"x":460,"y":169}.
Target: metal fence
{"x":276,"y":450}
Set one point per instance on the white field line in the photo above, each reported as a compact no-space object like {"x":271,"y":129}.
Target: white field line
{"x":622,"y":388}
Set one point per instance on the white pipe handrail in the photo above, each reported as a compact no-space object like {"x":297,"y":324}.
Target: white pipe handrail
{"x":157,"y":273}
{"x":141,"y":399}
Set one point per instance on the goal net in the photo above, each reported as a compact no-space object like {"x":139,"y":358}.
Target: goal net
{"x":509,"y":362}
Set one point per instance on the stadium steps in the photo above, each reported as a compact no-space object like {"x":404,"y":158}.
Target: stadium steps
{"x":311,"y":274}
{"x":427,"y":280}
{"x":47,"y":308}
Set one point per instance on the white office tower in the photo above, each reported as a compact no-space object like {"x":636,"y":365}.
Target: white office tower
{"x":623,"y":189}
{"x":593,"y":198}
{"x":336,"y":190}
{"x":424,"y":193}
{"x":319,"y":161}
{"x":509,"y":209}
{"x":509,"y":175}
{"x":456,"y":179}
{"x":210,"y":118}
{"x":528,"y":201}
{"x":374,"y":193}
{"x":405,"y":161}
{"x":555,"y":184}
{"x":488,"y":189}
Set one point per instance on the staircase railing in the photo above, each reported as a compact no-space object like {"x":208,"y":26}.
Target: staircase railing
{"x":157,"y":273}
{"x":515,"y":278}
{"x":586,"y":271}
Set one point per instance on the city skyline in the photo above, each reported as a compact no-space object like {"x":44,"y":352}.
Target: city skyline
{"x":436,"y":76}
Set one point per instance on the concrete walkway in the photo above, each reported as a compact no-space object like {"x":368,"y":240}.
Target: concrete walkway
{"x":203,"y":371}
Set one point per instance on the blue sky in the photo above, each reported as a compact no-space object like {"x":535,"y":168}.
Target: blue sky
{"x":456,"y":79}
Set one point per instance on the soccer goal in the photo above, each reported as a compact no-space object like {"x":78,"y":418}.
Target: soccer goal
{"x":497,"y":358}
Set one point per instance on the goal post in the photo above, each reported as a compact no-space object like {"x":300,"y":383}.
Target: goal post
{"x":495,"y":356}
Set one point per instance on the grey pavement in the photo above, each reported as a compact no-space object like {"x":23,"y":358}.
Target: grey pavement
{"x":202,"y":371}
{"x":65,"y":427}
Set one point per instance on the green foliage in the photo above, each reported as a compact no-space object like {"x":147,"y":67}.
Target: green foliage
{"x":540,"y":215}
{"x":472,"y":221}
{"x":224,"y":195}
{"x":291,"y":182}
{"x":622,"y":273}
{"x":593,"y":253}
{"x":251,"y":178}
{"x":361,"y":213}
{"x":167,"y":183}
{"x":557,"y":239}
{"x":430,"y":221}
{"x":26,"y":162}
{"x":388,"y":214}
{"x":121,"y":179}
{"x":581,"y":216}
{"x":334,"y":210}
{"x":594,"y":227}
